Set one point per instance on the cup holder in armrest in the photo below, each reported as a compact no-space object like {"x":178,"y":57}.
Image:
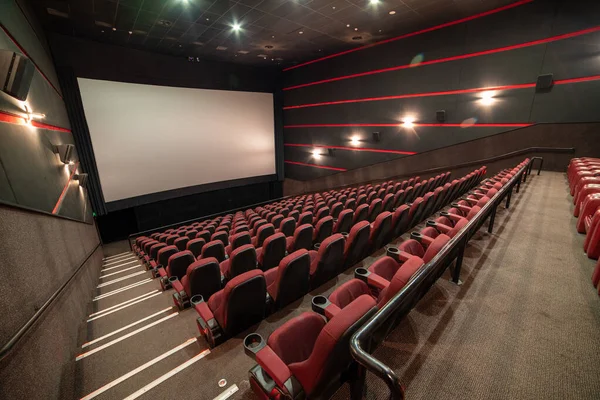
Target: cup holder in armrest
{"x":416,"y":236}
{"x":345,"y":235}
{"x":197,"y":299}
{"x":362,"y":274}
{"x":317,"y":246}
{"x":393,"y":252}
{"x":319,"y":304}
{"x":253,"y":343}
{"x":455,"y":204}
{"x":445,"y":214}
{"x":431,"y":223}
{"x":173,"y":278}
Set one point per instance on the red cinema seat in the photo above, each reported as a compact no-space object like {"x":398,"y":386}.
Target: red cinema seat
{"x":221,"y":236}
{"x":237,"y":240}
{"x":320,"y":214}
{"x":238,"y":306}
{"x":336,"y":209}
{"x":302,"y":239}
{"x":176,"y":268}
{"x":162,"y":258}
{"x":374,"y":210}
{"x":305,"y":218}
{"x":400,"y":220}
{"x":327,"y":261}
{"x":288,"y":226}
{"x":323,"y":229}
{"x":202,"y":277}
{"x":290,"y":280}
{"x":181,"y":243}
{"x":591,"y":245}
{"x":243,"y":259}
{"x":195,"y":246}
{"x":361,"y":213}
{"x":423,"y":246}
{"x":388,"y":203}
{"x":380,"y":231}
{"x":306,"y":357}
{"x":272,"y":252}
{"x":344,"y":221}
{"x":357,"y":243}
{"x":589,"y":205}
{"x":263,"y":232}
{"x":276,"y":221}
{"x":204,"y":234}
{"x":214,"y":249}
{"x":435,"y":228}
{"x":581,"y":197}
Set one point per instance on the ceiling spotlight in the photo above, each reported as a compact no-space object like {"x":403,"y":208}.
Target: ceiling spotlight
{"x":114,"y":29}
{"x":130,"y":32}
{"x":392,"y":12}
{"x":355,"y":29}
{"x":355,"y":140}
{"x":408,"y":122}
{"x":487,"y":98}
{"x":300,"y":33}
{"x":373,"y":1}
{"x":236,"y":27}
{"x":316,"y":153}
{"x":347,"y":25}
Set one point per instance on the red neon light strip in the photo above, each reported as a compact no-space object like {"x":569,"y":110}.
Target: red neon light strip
{"x":445,"y":93}
{"x":413,"y":95}
{"x":433,"y":28}
{"x":315,"y":166}
{"x":400,"y":125}
{"x":11,"y":37}
{"x":64,"y":191}
{"x":318,"y":146}
{"x":19,"y":120}
{"x":453,"y":58}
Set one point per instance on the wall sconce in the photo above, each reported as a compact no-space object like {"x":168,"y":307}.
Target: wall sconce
{"x":82,"y":178}
{"x":65,"y":152}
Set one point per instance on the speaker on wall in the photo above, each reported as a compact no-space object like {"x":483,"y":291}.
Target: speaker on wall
{"x":16,"y":73}
{"x":376,"y":137}
{"x":544,"y":83}
{"x":440,"y":115}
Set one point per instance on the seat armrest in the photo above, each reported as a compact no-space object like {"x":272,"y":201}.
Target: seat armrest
{"x":203,"y":311}
{"x":177,"y":286}
{"x":274,"y":366}
{"x":370,"y":278}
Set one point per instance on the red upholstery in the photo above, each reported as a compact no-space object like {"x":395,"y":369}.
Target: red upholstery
{"x":400,"y":279}
{"x":290,"y":280}
{"x":348,"y":292}
{"x":385,"y":267}
{"x":263,"y":232}
{"x":588,"y":207}
{"x":214,"y":249}
{"x":357,"y":243}
{"x":328,"y":259}
{"x":361,"y":213}
{"x":242,"y":259}
{"x":302,"y":238}
{"x":344,"y":222}
{"x":272,"y":252}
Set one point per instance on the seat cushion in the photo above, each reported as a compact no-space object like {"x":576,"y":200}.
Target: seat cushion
{"x":293,"y":341}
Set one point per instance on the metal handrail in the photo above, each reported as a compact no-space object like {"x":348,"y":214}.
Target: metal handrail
{"x":410,"y":294}
{"x":9,"y":345}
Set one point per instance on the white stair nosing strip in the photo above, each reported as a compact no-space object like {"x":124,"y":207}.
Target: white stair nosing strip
{"x":124,"y":261}
{"x":169,"y":374}
{"x":120,"y":271}
{"x":121,"y":308}
{"x":117,"y":259}
{"x":123,"y":289}
{"x":117,"y":266}
{"x":117,"y":255}
{"x":122,"y":304}
{"x":227,"y":393}
{"x":130,"y":334}
{"x":91,"y":342}
{"x":138,"y":370}
{"x":120,"y":279}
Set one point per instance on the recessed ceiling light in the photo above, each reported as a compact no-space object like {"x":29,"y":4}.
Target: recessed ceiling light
{"x":487,"y":98}
{"x":392,"y":12}
{"x":355,"y":140}
{"x":236,"y":27}
{"x":373,"y":1}
{"x":221,"y":48}
{"x":273,"y":37}
{"x":208,"y":19}
{"x":243,"y":51}
{"x":380,"y":31}
{"x":114,"y":29}
{"x":262,"y":55}
{"x":300,"y":33}
{"x":102,"y":31}
{"x":316,"y":153}
{"x":347,"y":25}
{"x":333,"y":8}
{"x":408,"y":122}
{"x":355,"y":29}
{"x":130,"y":32}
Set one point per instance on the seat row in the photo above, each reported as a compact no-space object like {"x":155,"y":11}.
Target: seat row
{"x":309,"y":355}
{"x":583,"y":175}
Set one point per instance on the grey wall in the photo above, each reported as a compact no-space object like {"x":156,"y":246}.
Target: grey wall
{"x":584,"y":138}
{"x":31,"y":174}
{"x":39,"y":252}
{"x":567,"y":58}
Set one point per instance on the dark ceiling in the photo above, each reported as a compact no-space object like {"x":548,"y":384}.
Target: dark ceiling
{"x":272,"y":31}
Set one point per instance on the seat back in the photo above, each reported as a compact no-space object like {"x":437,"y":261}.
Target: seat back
{"x":321,"y":213}
{"x":214,"y":249}
{"x":263,"y":232}
{"x":381,"y":230}
{"x":323,"y":229}
{"x":400,"y":279}
{"x":204,"y":234}
{"x":336,"y":208}
{"x":361,"y":213}
{"x":244,"y":302}
{"x":164,"y":254}
{"x":400,"y":220}
{"x":287,"y":227}
{"x":222,"y":236}
{"x":346,"y":293}
{"x":293,"y":278}
{"x":181,"y":242}
{"x":203,"y":277}
{"x":240,"y":239}
{"x":303,"y":237}
{"x":243,"y":259}
{"x":195,"y":246}
{"x":276,"y":220}
{"x":171,"y":239}
{"x":273,"y":251}
{"x":344,"y":222}
{"x":305,"y":218}
{"x":357,"y":243}
{"x":329,"y":260}
{"x":155,"y":248}
{"x":388,"y":203}
{"x":295,"y":214}
{"x":257,"y":225}
{"x":179,"y":262}
{"x":374,"y":209}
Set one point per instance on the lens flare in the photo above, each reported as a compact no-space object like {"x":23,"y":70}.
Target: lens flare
{"x":416,"y":60}
{"x":468,"y":122}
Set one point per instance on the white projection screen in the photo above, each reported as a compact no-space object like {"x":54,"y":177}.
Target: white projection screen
{"x":150,"y":139}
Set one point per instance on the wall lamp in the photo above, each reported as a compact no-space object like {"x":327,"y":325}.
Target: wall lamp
{"x":65,"y":152}
{"x":82,"y":178}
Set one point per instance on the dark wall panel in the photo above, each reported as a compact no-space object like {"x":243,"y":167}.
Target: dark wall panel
{"x":566,"y":58}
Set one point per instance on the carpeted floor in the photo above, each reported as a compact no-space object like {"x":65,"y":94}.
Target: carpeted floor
{"x":524,"y":325}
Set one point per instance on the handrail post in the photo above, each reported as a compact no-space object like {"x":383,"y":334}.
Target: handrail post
{"x":492,"y":219}
{"x":508,"y":199}
{"x":459,"y":260}
{"x":541,"y":164}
